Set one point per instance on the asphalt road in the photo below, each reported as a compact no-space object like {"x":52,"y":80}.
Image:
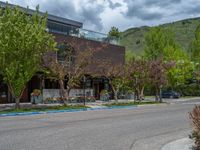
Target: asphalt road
{"x":142,"y":128}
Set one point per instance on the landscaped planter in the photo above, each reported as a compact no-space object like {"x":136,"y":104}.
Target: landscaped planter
{"x":78,"y":99}
{"x":36,"y":96}
{"x":36,"y":99}
{"x":104,"y":95}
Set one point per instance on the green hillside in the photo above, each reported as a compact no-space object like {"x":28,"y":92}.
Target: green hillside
{"x":133,"y":39}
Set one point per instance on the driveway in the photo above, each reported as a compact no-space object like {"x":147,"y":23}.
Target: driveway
{"x":142,"y":128}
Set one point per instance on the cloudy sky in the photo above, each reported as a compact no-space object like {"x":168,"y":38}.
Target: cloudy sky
{"x":100,"y":15}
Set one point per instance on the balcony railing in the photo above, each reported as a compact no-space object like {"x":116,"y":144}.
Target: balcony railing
{"x":82,"y":33}
{"x":96,"y":36}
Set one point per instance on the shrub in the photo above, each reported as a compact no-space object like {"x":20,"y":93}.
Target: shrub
{"x":138,"y":42}
{"x":36,"y":92}
{"x":103,"y":92}
{"x":189,"y":90}
{"x":195,"y":117}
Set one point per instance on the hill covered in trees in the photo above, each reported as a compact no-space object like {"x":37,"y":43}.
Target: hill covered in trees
{"x":133,"y":38}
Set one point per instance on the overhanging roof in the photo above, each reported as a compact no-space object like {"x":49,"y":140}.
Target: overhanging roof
{"x":50,"y":17}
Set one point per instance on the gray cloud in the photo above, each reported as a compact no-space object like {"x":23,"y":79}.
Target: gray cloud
{"x":142,"y":13}
{"x":100,"y":15}
{"x":88,"y":11}
{"x":90,"y":15}
{"x":141,"y":10}
{"x":62,"y":8}
{"x":161,"y":3}
{"x":113,"y":5}
{"x":193,"y":10}
{"x":153,"y":12}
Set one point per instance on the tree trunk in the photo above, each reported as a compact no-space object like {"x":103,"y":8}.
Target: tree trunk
{"x":67,"y":93}
{"x":17,"y":99}
{"x":17,"y":103}
{"x":160,"y":95}
{"x":115,"y":92}
{"x":115,"y":96}
{"x":142,"y":93}
{"x":64,"y":94}
{"x":138,"y":94}
{"x":157,"y":95}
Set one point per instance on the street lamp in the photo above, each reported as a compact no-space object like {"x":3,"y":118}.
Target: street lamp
{"x":84,"y":81}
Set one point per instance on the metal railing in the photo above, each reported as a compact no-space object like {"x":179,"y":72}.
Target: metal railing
{"x":82,"y":33}
{"x":96,"y":36}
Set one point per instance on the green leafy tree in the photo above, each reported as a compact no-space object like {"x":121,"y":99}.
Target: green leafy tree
{"x":129,"y":56}
{"x":138,"y":75}
{"x":114,"y":32}
{"x":71,"y":69}
{"x":23,"y":42}
{"x":156,"y":41}
{"x":195,"y":54}
{"x":115,"y":74}
{"x":195,"y":47}
{"x":117,"y":83}
{"x":182,"y":69}
{"x":195,"y":114}
{"x":158,"y":75}
{"x":160,"y":43}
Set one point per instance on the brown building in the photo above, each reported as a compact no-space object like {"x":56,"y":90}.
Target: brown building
{"x":66,"y":30}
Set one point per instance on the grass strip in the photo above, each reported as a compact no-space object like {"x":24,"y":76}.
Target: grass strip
{"x":49,"y":108}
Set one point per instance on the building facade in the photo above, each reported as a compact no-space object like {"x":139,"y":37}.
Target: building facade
{"x":66,"y":30}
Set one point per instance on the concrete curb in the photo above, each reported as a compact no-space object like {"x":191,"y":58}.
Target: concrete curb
{"x":181,"y":144}
{"x":62,"y":111}
{"x":165,"y":104}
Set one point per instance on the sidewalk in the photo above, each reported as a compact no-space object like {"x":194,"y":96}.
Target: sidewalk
{"x":65,"y":110}
{"x":181,"y":144}
{"x":100,"y":103}
{"x":95,"y":104}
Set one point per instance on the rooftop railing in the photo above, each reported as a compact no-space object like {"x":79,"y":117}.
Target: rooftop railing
{"x":96,"y":36}
{"x":82,"y":33}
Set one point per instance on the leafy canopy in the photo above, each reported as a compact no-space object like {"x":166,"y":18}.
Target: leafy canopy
{"x":156,"y":41}
{"x":23,"y":42}
{"x":114,"y":32}
{"x":160,"y":43}
{"x":195,"y":48}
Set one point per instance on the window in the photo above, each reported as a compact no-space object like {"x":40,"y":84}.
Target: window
{"x":61,"y":28}
{"x":65,"y":54}
{"x":51,"y":84}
